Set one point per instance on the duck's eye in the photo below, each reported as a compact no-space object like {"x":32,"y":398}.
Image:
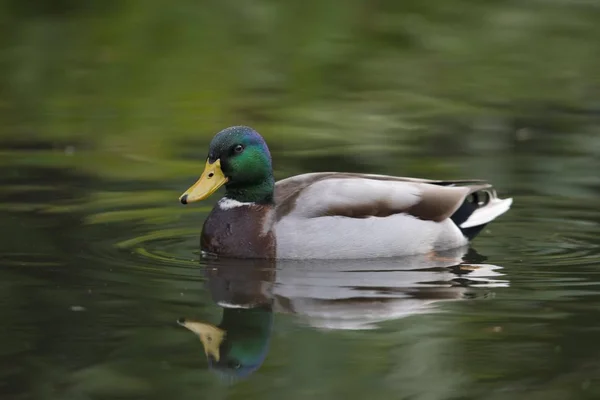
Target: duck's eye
{"x":238,"y":149}
{"x":234,"y":364}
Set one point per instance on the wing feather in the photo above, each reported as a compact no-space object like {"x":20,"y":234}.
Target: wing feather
{"x":361,"y":196}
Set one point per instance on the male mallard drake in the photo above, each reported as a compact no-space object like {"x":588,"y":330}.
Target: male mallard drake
{"x":330,"y":215}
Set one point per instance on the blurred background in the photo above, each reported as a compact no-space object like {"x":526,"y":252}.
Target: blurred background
{"x":106,"y":111}
{"x":146,"y":79}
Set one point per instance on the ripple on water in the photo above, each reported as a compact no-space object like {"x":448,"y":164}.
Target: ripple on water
{"x":132,"y":234}
{"x":131,"y":237}
{"x":171,"y":253}
{"x":550,"y":233}
{"x":332,"y":294}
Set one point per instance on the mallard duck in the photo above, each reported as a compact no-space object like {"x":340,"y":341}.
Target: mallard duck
{"x":330,"y":215}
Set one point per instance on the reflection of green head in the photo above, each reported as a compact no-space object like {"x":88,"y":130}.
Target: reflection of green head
{"x":239,"y":345}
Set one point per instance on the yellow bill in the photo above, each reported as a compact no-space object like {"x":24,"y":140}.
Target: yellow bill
{"x":211,"y":179}
{"x":210,"y":336}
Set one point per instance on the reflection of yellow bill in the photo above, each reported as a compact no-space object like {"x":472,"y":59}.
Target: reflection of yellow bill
{"x":211,"y":179}
{"x":210,"y":336}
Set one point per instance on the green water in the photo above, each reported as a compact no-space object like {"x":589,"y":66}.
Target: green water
{"x":106,"y":110}
{"x":96,"y":272}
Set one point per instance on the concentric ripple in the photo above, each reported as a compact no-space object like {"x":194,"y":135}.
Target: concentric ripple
{"x":148,"y":238}
{"x":551,"y":233}
{"x":162,"y":239}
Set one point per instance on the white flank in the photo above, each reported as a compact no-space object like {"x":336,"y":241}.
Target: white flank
{"x":333,"y":237}
{"x":491,"y":211}
{"x":226,"y":204}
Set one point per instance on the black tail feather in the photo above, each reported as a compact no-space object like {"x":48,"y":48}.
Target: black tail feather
{"x":475,"y":201}
{"x":473,"y":231}
{"x":463,"y":213}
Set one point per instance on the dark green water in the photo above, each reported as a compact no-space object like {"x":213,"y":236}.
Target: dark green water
{"x":106,"y":110}
{"x":96,"y":271}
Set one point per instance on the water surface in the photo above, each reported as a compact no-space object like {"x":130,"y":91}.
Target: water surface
{"x":97,"y":268}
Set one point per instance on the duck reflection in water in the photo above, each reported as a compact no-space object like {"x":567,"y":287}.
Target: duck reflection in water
{"x":327,"y":294}
{"x":239,"y":344}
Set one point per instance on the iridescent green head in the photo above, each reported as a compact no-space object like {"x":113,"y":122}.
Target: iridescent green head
{"x":238,"y":157}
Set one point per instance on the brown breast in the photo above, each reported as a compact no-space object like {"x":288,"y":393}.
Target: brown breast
{"x":240,"y":232}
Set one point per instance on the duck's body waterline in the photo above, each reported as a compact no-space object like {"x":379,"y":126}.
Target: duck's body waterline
{"x":331,"y":215}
